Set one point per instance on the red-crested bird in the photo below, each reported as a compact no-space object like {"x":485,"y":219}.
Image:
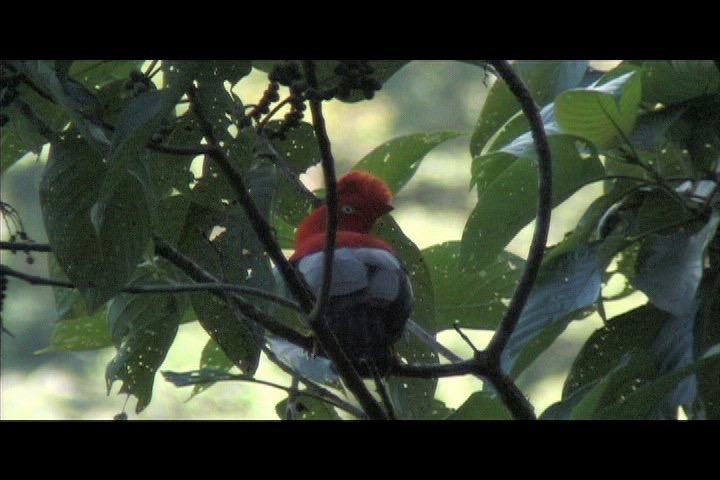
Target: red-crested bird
{"x":371,"y":297}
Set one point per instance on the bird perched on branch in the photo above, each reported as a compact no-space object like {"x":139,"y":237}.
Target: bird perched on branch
{"x":371,"y":296}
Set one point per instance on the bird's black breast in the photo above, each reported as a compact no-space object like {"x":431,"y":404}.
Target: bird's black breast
{"x":371,"y":299}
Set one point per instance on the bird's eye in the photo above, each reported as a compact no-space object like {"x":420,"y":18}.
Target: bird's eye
{"x":347,"y":209}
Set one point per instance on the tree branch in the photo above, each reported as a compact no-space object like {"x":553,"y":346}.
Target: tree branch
{"x":257,"y":221}
{"x":163,"y":288}
{"x":317,"y":317}
{"x":196,"y":272}
{"x":544,"y":207}
{"x":25,"y":247}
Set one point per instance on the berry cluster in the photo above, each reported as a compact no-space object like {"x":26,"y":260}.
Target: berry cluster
{"x":356,"y":75}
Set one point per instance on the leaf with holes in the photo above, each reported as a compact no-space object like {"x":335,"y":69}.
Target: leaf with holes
{"x":641,"y":402}
{"x":79,"y":333}
{"x":481,"y":406}
{"x":397,"y":161}
{"x":483,"y":298}
{"x":151,"y":330}
{"x":633,"y":330}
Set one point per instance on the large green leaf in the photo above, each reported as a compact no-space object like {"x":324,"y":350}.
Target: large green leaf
{"x":633,"y":330}
{"x":641,"y":402}
{"x":565,"y":284}
{"x":630,"y":372}
{"x":397,"y":161}
{"x":672,"y":82}
{"x":99,"y":265}
{"x":481,"y":406}
{"x":544,"y":79}
{"x":482,"y":300}
{"x":412,"y":398}
{"x":492,"y":224}
{"x":298,"y":151}
{"x":598,"y":112}
{"x":670,"y":267}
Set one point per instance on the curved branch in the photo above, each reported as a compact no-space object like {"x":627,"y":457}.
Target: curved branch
{"x":257,"y":221}
{"x":319,"y":326}
{"x":544,"y":207}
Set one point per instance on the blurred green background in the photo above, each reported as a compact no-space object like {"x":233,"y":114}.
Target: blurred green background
{"x":424,"y":96}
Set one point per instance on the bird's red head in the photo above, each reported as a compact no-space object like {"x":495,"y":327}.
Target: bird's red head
{"x":362,"y":199}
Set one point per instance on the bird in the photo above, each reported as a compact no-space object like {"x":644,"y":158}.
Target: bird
{"x":371,"y":296}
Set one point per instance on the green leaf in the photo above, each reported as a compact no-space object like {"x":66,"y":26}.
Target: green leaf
{"x":135,"y":126}
{"x":98,"y":265}
{"x":670,"y":267}
{"x":672,"y":82}
{"x":77,"y":101}
{"x":631,"y":331}
{"x":624,"y":377}
{"x":397,"y":161}
{"x":234,"y":255}
{"x":12,"y":148}
{"x":544,"y":79}
{"x":231,"y":70}
{"x":707,"y":334}
{"x":151,"y":323}
{"x":308,"y":408}
{"x":98,"y":73}
{"x":298,"y":151}
{"x":565,"y":284}
{"x":212,"y":357}
{"x":412,"y":398}
{"x":492,"y":224}
{"x":80,"y":333}
{"x":481,"y":406}
{"x":382,"y":71}
{"x":640,"y":403}
{"x":597,"y":112}
{"x":482,"y":300}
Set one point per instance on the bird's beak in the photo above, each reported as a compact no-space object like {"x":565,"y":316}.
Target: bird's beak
{"x":387,"y":209}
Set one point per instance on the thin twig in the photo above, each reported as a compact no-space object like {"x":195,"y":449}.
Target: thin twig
{"x":25,"y":247}
{"x":197,"y":273}
{"x":317,"y":317}
{"x":162,"y":288}
{"x":229,"y":377}
{"x":384,"y":396}
{"x":257,"y":221}
{"x":272,"y":112}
